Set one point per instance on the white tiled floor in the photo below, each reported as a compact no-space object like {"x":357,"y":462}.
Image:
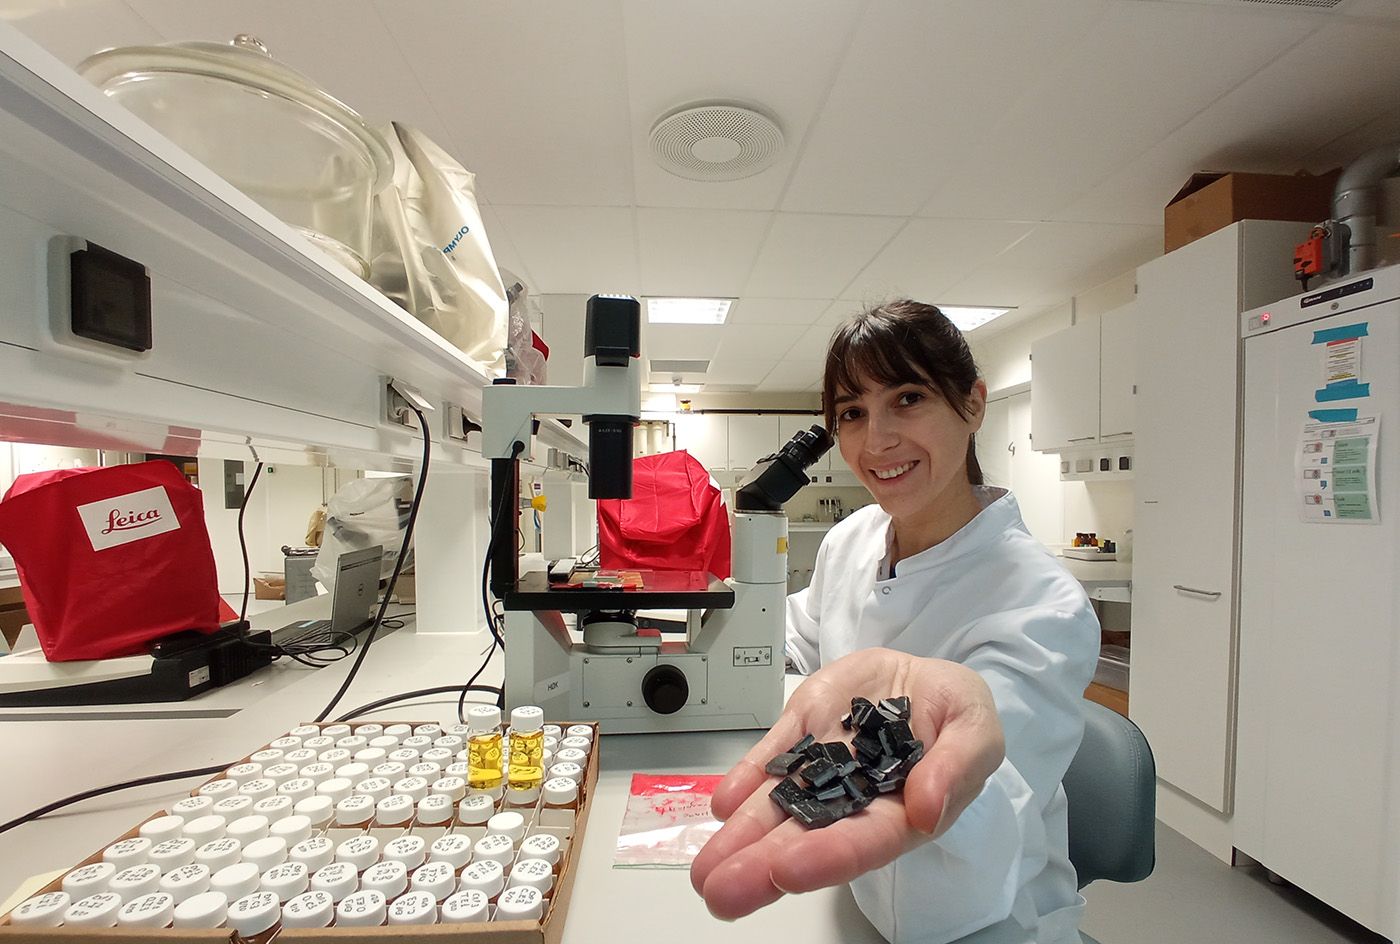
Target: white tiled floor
{"x":1192,"y":897}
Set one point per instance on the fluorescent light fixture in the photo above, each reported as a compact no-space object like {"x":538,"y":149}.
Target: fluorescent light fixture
{"x":705,"y":311}
{"x":674,"y":388}
{"x":966,"y":317}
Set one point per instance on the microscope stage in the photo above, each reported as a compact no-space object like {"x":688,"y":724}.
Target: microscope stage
{"x":661,"y":589}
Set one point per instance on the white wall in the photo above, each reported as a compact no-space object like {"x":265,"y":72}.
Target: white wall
{"x":278,"y":511}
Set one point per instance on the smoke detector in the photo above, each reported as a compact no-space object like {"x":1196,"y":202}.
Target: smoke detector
{"x":715,"y":141}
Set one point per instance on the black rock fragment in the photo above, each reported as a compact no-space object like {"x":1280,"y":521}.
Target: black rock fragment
{"x":784,"y":764}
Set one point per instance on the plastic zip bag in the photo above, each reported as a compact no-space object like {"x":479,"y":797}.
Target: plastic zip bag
{"x":667,"y":822}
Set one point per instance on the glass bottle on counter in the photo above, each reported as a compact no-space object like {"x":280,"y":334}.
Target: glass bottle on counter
{"x":526,"y":747}
{"x":484,"y":747}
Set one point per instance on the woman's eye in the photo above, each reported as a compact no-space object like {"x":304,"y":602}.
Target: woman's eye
{"x":910,"y":397}
{"x":848,"y":416}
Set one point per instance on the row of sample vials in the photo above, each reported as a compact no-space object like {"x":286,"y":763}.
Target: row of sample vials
{"x":368,"y":851}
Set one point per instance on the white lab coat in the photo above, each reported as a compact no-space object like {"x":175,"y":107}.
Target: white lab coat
{"x":990,"y":597}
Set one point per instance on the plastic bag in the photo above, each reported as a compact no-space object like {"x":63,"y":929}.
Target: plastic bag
{"x":430,"y":253}
{"x":667,"y":821}
{"x":365,"y":512}
{"x":676,"y":519}
{"x":525,"y":352}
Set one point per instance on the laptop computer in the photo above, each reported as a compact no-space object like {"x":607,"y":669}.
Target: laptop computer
{"x":353,"y":598}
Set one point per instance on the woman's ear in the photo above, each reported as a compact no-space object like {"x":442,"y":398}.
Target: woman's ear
{"x":977,"y":404}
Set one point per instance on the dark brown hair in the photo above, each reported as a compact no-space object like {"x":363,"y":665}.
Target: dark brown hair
{"x":901,"y":342}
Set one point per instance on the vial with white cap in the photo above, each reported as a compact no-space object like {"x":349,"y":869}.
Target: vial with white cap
{"x":458,"y":768}
{"x":390,"y":770}
{"x":509,"y":823}
{"x":218,"y":788}
{"x":135,"y":881}
{"x":403,"y":756}
{"x":128,"y":852}
{"x":428,"y":730}
{"x":385,"y":742}
{"x":571,"y":755}
{"x":281,"y":773}
{"x":266,"y":852}
{"x":553,"y":731}
{"x":579,"y":730}
{"x":232,"y":807}
{"x":319,"y":809}
{"x":561,"y":793}
{"x":526,"y":747}
{"x":89,"y":879}
{"x":413,"y":787}
{"x":206,"y":910}
{"x":567,"y":769}
{"x":42,"y":911}
{"x":309,"y":910}
{"x":336,"y":756}
{"x":475,"y":809}
{"x":236,"y":881}
{"x":399,"y":731}
{"x":428,"y":770}
{"x":368,"y":730}
{"x":172,"y":853}
{"x":353,"y":771}
{"x":449,"y":742}
{"x":390,"y":878}
{"x":412,"y":851}
{"x":435,"y":810}
{"x":466,"y":906}
{"x":286,"y":881}
{"x":288,"y":743}
{"x":162,"y":828}
{"x":186,"y":881}
{"x":577,"y":743}
{"x":301,"y":757}
{"x":152,"y":910}
{"x":352,"y":743}
{"x":520,"y":903}
{"x":274,"y":808}
{"x":253,"y":916}
{"x":359,"y":851}
{"x":335,"y":730}
{"x":440,"y":756}
{"x":94,"y":911}
{"x":304,"y":731}
{"x":292,"y":828}
{"x":242,"y":773}
{"x":316,"y":852}
{"x":377,"y":788}
{"x":414,"y":908}
{"x":551,"y":744}
{"x":452,"y":787}
{"x":522,"y":797}
{"x":544,"y":846}
{"x":297,"y":789}
{"x":337,"y":788}
{"x":363,"y":909}
{"x":319,"y":772}
{"x":318,"y":744}
{"x":458,"y":729}
{"x":417,"y":743}
{"x":536,"y":873}
{"x":257,"y":789}
{"x":454,"y":849}
{"x":337,"y":879}
{"x":192,"y":806}
{"x":438,"y":879}
{"x":371,"y":756}
{"x":270,"y":755}
{"x":395,"y":810}
{"x":248,"y":828}
{"x":495,"y":847}
{"x":486,"y":876}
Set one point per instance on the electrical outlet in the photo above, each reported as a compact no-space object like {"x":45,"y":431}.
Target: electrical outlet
{"x":460,"y":424}
{"x":397,"y":401}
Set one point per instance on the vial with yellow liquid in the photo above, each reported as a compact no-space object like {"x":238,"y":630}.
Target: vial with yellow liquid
{"x":526,"y":748}
{"x":484,"y":761}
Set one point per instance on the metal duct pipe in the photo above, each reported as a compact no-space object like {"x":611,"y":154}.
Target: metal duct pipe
{"x":1356,"y":199}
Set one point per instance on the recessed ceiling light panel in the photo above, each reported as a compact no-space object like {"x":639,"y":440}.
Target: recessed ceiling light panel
{"x":703,"y":311}
{"x":967,"y":317}
{"x":716,"y":141}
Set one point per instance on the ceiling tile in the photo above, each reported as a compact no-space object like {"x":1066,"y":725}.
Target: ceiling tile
{"x":756,"y":341}
{"x":535,"y":94}
{"x":72,"y":32}
{"x":811,"y":256}
{"x":748,"y":371}
{"x":919,"y":82}
{"x":698,"y":252}
{"x":681,"y":341}
{"x":810,"y":345}
{"x":583,"y":250}
{"x":930,"y":256}
{"x":503,"y":247}
{"x":780,"y":55}
{"x":784,"y":311}
{"x":1105,"y":103}
{"x":793,"y":375}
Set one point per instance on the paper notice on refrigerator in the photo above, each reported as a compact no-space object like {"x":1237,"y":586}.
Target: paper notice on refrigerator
{"x":1342,"y":361}
{"x":1336,"y":471}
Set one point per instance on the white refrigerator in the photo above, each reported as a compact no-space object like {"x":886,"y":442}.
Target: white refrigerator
{"x":1318,"y":698}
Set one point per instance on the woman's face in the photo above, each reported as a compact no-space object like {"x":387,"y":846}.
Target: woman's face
{"x":906,"y":444}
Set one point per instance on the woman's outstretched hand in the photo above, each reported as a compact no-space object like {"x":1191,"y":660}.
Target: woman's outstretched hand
{"x":760,"y":854}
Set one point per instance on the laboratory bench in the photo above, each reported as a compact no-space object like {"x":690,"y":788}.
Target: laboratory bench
{"x":56,"y":752}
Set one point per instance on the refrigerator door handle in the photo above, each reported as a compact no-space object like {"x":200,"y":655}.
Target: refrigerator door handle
{"x":1212,"y":594}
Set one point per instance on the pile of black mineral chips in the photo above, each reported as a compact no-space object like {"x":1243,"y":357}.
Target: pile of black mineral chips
{"x":830,"y":783}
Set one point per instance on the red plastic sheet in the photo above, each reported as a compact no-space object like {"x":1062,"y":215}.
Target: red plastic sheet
{"x":675,"y":519}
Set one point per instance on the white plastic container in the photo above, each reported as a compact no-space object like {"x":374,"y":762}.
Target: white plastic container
{"x":337,"y":880}
{"x":465,"y":907}
{"x":208,"y":910}
{"x":453,"y":848}
{"x":286,"y":881}
{"x":438,"y":879}
{"x":173,"y":853}
{"x":236,"y":881}
{"x":363,"y":909}
{"x":389,"y":878}
{"x":412,"y":851}
{"x":521,"y":903}
{"x":153,"y":910}
{"x":89,"y":880}
{"x":253,"y":914}
{"x":414,"y":908}
{"x":186,"y":881}
{"x":94,"y":911}
{"x":314,"y":909}
{"x":42,"y":911}
{"x":316,"y":852}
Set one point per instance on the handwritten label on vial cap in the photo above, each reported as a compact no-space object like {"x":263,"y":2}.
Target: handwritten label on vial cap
{"x":304,"y":731}
{"x":151,"y":910}
{"x":318,"y":809}
{"x":418,"y":743}
{"x":355,"y":810}
{"x":415,"y":787}
{"x":231,"y":807}
{"x":301,"y":757}
{"x":440,"y":756}
{"x":244,"y":772}
{"x":288,"y":743}
{"x":376,"y":788}
{"x":275,"y":808}
{"x":136,"y":880}
{"x":571,"y":755}
{"x":318,"y":772}
{"x":205,"y":910}
{"x":266,"y":852}
{"x":352,"y":743}
{"x":579,"y":730}
{"x":292,"y":828}
{"x":394,"y":810}
{"x":173,"y":853}
{"x":369,"y":729}
{"x":99,"y":910}
{"x":389,"y":877}
{"x":476,"y":809}
{"x":42,"y":911}
{"x":435,"y":878}
{"x":458,"y":768}
{"x":316,"y":852}
{"x":544,"y":846}
{"x":494,"y":847}
{"x":218,"y":788}
{"x":390,"y":770}
{"x":337,"y":879}
{"x":450,"y":786}
{"x":410,"y":850}
{"x":336,"y":730}
{"x":553,"y":731}
{"x":236,"y":880}
{"x":567,"y":769}
{"x":577,"y":743}
{"x":257,"y":789}
{"x":127,"y":852}
{"x":435,"y":810}
{"x":537,"y":873}
{"x":486,"y":875}
{"x":465,"y":906}
{"x":318,"y":744}
{"x":286,"y":880}
{"x":428,"y":730}
{"x":255,"y":913}
{"x":89,"y":879}
{"x":414,"y":908}
{"x":560,"y":791}
{"x":281,"y":773}
{"x":335,"y":756}
{"x":428,"y":770}
{"x":520,"y":903}
{"x":192,"y":806}
{"x":298,"y":788}
{"x":309,"y":910}
{"x":362,"y":909}
{"x":403,"y":756}
{"x":361,"y":851}
{"x":270,"y":755}
{"x":453,"y":849}
{"x":448,"y":742}
{"x":186,"y":881}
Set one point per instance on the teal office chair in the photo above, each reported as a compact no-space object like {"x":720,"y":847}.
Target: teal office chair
{"x":1111,"y":788}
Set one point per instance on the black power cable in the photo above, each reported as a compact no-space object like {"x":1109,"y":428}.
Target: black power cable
{"x":243,"y":542}
{"x":420,"y":693}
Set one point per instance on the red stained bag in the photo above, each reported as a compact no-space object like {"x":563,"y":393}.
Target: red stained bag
{"x":675,"y":519}
{"x":110,"y":559}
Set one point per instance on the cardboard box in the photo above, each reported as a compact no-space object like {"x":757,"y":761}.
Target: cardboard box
{"x":269,"y":587}
{"x":13,"y":615}
{"x":1213,"y":201}
{"x":548,"y":930}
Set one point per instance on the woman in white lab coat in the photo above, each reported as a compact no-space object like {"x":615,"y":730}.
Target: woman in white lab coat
{"x":937,"y":592}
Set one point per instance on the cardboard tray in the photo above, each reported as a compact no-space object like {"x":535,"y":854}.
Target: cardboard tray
{"x":549,"y":930}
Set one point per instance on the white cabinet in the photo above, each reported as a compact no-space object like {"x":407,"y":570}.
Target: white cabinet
{"x":751,"y":437}
{"x":1065,"y":388}
{"x":1185,"y":515}
{"x":706,"y":437}
{"x":1117,"y":373}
